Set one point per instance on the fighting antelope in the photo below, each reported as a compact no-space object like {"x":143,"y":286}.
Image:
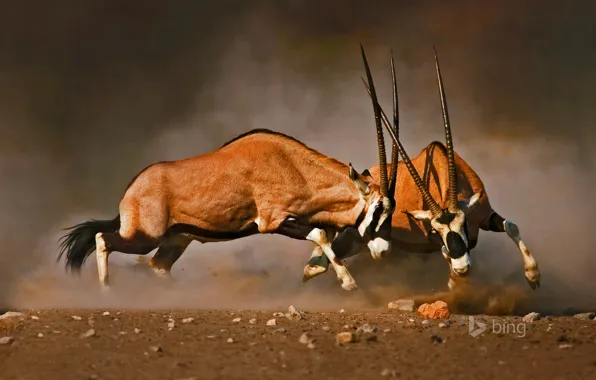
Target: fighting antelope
{"x":446,"y":210}
{"x":260,"y":182}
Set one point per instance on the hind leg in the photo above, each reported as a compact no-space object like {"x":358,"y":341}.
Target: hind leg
{"x":109,"y":242}
{"x":168,"y":253}
{"x":318,"y":262}
{"x":497,"y":223}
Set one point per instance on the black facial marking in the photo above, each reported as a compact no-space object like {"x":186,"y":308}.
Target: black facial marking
{"x":370,"y":230}
{"x":456,"y":245}
{"x":445,"y":218}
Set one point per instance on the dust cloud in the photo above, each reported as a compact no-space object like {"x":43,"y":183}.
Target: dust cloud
{"x":94,"y":91}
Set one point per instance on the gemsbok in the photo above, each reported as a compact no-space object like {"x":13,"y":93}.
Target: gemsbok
{"x":445,"y":211}
{"x":260,"y":182}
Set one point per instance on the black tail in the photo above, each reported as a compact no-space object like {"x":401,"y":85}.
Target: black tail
{"x":79,"y":243}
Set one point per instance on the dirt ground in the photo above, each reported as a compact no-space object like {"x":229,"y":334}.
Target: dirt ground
{"x":49,"y":344}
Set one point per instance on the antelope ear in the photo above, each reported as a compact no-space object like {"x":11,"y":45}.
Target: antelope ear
{"x":423,"y":215}
{"x":359,"y":181}
{"x":468,"y":205}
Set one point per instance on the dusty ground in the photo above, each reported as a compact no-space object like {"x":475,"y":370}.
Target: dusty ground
{"x":557,"y":348}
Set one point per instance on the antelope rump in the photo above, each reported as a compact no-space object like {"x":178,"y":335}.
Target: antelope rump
{"x":443,"y":211}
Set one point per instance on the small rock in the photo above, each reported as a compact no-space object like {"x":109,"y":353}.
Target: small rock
{"x":6,"y":340}
{"x":565,"y":346}
{"x":348,"y":327}
{"x":106,"y":313}
{"x":272,"y":322}
{"x":188,"y":320}
{"x":88,"y":334}
{"x":76,"y":318}
{"x":401,"y":305}
{"x":253,"y":321}
{"x":435,"y":310}
{"x":366,"y":328}
{"x":387,"y":331}
{"x":40,"y":335}
{"x":425,"y":322}
{"x":223,"y":330}
{"x":305,"y":338}
{"x":443,"y":325}
{"x":326,"y":328}
{"x":311,"y":345}
{"x":122,"y":332}
{"x":35,"y":317}
{"x":11,"y":314}
{"x":156,"y":348}
{"x":55,"y":332}
{"x":411,"y":320}
{"x":211,"y":336}
{"x":388,"y":373}
{"x":137,"y":331}
{"x":585,"y":316}
{"x":346,"y":337}
{"x":230,"y":340}
{"x":529,"y":318}
{"x":279,"y":330}
{"x":236,"y":320}
{"x":293,"y":314}
{"x":342,"y":311}
{"x":171,"y":324}
{"x":278,"y":314}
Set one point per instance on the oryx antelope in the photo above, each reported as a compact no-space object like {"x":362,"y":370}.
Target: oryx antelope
{"x":260,"y":182}
{"x":444,"y":210}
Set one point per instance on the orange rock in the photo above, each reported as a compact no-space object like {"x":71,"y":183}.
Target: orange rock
{"x":435,"y":310}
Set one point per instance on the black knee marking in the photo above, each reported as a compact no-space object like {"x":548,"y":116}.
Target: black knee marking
{"x":494,"y":222}
{"x":347,"y":243}
{"x":294,"y":229}
{"x":321,"y":261}
{"x":169,"y":252}
{"x":139,"y":245}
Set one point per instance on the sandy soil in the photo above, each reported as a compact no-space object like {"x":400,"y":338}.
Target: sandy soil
{"x":557,"y":348}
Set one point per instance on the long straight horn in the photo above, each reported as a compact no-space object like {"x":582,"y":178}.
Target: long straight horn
{"x":452,"y":192}
{"x":394,"y":152}
{"x":432,"y":205}
{"x":380,"y":137}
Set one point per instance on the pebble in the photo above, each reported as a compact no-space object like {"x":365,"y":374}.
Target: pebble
{"x":188,"y":320}
{"x":11,"y":314}
{"x":326,"y":328}
{"x":278,"y":314}
{"x":88,"y":334}
{"x":40,"y":335}
{"x":231,"y":340}
{"x":211,"y":336}
{"x":76,"y":318}
{"x":171,"y":324}
{"x":6,"y":340}
{"x":425,"y":322}
{"x":585,"y":316}
{"x":401,"y":305}
{"x":388,"y":373}
{"x":272,"y":322}
{"x":346,"y":337}
{"x":565,"y":346}
{"x":366,"y":328}
{"x":156,"y":348}
{"x":236,"y":320}
{"x":305,"y":338}
{"x":253,"y":321}
{"x":443,"y":325}
{"x":137,"y":331}
{"x":35,"y":317}
{"x":293,"y":314}
{"x":529,"y":318}
{"x":342,"y":311}
{"x":106,"y":313}
{"x":386,"y":331}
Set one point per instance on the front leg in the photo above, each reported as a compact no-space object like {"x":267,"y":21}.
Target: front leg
{"x":301,"y":230}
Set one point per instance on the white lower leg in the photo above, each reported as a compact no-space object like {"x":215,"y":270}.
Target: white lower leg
{"x":318,"y":236}
{"x":102,"y":254}
{"x":530,"y":265}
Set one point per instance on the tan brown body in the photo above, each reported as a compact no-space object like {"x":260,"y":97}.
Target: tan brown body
{"x":260,"y":182}
{"x":412,"y":235}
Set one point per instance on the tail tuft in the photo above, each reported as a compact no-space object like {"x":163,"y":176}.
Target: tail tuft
{"x":79,"y":243}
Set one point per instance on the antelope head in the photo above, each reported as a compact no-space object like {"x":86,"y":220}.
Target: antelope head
{"x":375,"y":228}
{"x":449,"y":223}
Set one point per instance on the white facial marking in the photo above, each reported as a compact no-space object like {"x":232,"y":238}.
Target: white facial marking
{"x":461,"y":263}
{"x":368,"y":218}
{"x":378,"y":247}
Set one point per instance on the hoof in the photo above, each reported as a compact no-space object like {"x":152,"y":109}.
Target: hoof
{"x":349,"y":286}
{"x":533,"y":278}
{"x":312,"y":271}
